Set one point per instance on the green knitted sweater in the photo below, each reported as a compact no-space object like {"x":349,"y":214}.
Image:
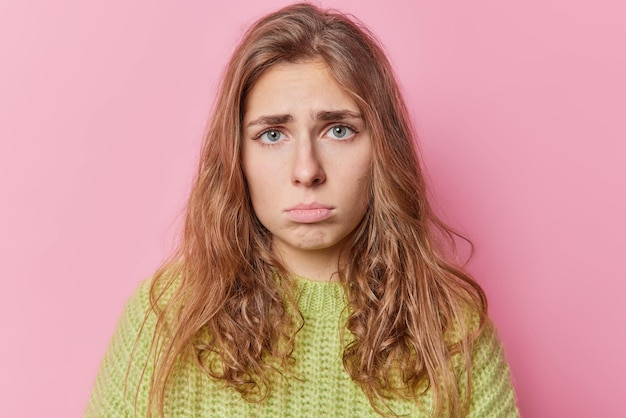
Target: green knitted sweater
{"x":318,"y":387}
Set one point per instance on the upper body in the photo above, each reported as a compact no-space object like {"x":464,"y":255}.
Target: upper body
{"x":309,"y":168}
{"x":318,"y":385}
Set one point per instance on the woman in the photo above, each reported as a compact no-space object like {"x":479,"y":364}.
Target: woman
{"x":312,"y":276}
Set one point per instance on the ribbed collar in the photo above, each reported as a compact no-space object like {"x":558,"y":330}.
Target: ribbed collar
{"x":319,"y":299}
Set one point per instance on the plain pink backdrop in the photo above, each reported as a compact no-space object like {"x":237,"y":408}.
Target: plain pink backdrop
{"x":520,"y":110}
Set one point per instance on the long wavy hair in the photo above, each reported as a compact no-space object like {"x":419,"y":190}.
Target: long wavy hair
{"x":224,"y":301}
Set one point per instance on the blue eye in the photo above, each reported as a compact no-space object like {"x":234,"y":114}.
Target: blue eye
{"x":271,"y":136}
{"x":340,"y":132}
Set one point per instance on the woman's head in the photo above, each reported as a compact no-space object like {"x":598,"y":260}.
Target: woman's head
{"x":299,"y":34}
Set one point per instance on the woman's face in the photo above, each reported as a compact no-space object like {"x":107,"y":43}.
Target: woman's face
{"x":307,"y":159}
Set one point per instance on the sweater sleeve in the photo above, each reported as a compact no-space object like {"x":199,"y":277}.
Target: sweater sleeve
{"x":119,"y":382}
{"x":492,"y":390}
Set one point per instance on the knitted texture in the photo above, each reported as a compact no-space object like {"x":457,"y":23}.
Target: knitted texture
{"x":317,"y":386}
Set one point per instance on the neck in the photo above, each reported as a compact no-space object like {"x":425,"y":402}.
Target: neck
{"x":317,"y":265}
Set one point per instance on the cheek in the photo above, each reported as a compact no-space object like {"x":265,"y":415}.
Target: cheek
{"x":253,"y":172}
{"x":356,"y":186}
{"x":261,"y":181}
{"x":259,"y":164}
{"x":361,"y":174}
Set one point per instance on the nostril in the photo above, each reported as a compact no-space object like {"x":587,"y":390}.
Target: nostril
{"x":308,"y":172}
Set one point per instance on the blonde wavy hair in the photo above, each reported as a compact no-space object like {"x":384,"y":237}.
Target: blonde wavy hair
{"x":225,"y":309}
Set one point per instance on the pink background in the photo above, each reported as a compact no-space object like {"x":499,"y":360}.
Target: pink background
{"x":520,"y":109}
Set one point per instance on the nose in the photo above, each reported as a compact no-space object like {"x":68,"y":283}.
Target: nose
{"x":307,"y":168}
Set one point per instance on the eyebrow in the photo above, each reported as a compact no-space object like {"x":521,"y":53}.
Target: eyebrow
{"x":271,"y":120}
{"x":323,"y":115}
{"x":326,"y":115}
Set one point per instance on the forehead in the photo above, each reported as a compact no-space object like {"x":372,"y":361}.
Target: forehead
{"x":286,"y":88}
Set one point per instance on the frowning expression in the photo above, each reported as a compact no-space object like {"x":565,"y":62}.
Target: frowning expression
{"x":307,"y":158}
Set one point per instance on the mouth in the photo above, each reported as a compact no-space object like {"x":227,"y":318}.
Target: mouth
{"x":309,"y":213}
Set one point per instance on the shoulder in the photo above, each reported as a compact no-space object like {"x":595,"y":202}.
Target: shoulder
{"x":138,"y":304}
{"x":120,"y":376}
{"x":492,"y":392}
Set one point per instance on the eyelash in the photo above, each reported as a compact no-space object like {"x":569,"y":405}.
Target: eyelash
{"x":338,"y":125}
{"x":260,"y":135}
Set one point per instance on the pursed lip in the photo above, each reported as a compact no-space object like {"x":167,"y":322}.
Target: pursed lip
{"x":308,"y":206}
{"x":309,"y":213}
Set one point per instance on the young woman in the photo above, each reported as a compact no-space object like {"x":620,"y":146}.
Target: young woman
{"x":312,"y":278}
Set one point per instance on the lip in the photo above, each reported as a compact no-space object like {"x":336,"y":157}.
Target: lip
{"x":309,"y":213}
